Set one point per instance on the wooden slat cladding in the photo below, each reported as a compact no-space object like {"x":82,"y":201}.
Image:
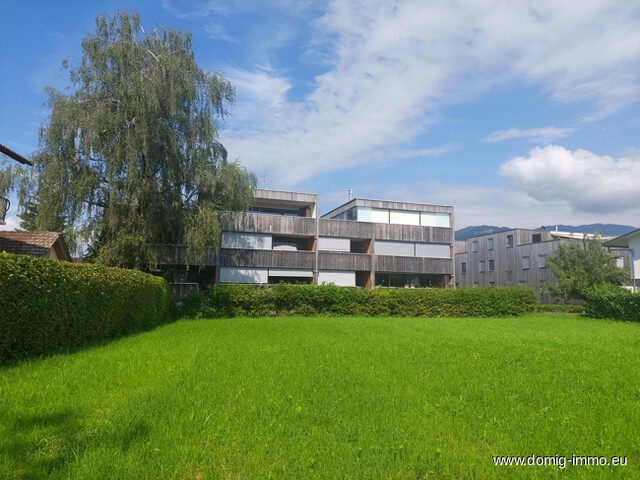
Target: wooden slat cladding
{"x":345,"y":228}
{"x":296,"y":226}
{"x":412,"y":265}
{"x":344,"y":261}
{"x":175,"y":255}
{"x":410,"y":233}
{"x":385,"y":231}
{"x":276,"y":195}
{"x":267,"y":258}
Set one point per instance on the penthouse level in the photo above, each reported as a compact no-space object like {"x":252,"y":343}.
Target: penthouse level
{"x":365,"y":243}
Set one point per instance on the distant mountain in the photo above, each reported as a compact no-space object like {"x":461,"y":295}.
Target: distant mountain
{"x":474,"y":231}
{"x":606,"y":229}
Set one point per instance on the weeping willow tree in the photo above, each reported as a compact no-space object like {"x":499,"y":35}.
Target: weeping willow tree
{"x":129,"y":158}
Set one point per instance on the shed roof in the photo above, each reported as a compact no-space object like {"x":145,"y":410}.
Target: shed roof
{"x":36,"y":244}
{"x":623,"y":240}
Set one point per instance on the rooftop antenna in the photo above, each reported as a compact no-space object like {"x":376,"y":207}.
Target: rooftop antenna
{"x":264,"y":182}
{"x":350,"y":194}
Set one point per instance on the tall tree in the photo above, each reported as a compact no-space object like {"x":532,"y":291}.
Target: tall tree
{"x":130,"y":158}
{"x":582,"y":266}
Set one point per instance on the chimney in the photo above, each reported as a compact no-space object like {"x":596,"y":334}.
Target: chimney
{"x":350,"y":194}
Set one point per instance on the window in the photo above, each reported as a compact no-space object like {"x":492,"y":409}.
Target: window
{"x":526,"y":262}
{"x":509,"y":240}
{"x":474,"y":246}
{"x":490,"y":244}
{"x":620,"y":262}
{"x":464,"y":268}
{"x":542,"y":261}
{"x":482,"y":265}
{"x":509,"y":275}
{"x":492,"y":265}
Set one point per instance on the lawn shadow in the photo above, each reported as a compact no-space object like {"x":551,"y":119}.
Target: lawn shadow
{"x":44,"y":443}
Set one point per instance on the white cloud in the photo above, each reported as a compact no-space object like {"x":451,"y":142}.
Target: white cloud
{"x":583,"y":180}
{"x":394,"y":64}
{"x":218,"y":32}
{"x":11,"y":223}
{"x":541,"y":135}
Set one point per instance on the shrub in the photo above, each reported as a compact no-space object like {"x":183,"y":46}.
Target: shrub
{"x":48,"y":306}
{"x":613,"y":302}
{"x":249,"y":300}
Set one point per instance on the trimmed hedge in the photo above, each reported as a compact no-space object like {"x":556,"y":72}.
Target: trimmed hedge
{"x":224,"y":301}
{"x":613,"y":302}
{"x":48,"y":306}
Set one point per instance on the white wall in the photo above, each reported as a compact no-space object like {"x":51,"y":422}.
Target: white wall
{"x":247,"y":241}
{"x":398,"y":249}
{"x":410,"y":249}
{"x":634,"y":245}
{"x":290,"y":272}
{"x":244,"y":275}
{"x":335,"y":244}
{"x":433,"y":250}
{"x":342,"y":278}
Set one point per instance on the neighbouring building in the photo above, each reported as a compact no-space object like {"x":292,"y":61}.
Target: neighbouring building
{"x":631,"y":241}
{"x":515,"y":257}
{"x":37,"y":244}
{"x":363,"y":243}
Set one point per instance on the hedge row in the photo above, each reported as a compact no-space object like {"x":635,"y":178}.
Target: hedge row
{"x":225,"y":301}
{"x":48,"y":306}
{"x":613,"y":302}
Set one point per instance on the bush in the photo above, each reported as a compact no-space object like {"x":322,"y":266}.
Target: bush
{"x":254,"y":301}
{"x":48,"y":306}
{"x":613,"y":302}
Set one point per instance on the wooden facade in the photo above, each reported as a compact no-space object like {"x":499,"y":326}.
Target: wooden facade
{"x":282,"y":235}
{"x":514,"y":257}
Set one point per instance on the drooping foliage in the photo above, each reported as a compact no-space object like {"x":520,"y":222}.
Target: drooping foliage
{"x":579,"y":267}
{"x":130,"y":158}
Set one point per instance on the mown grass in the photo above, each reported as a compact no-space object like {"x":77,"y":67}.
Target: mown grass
{"x":329,"y":398}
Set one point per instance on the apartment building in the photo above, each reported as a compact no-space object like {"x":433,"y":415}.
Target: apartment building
{"x":513,"y":257}
{"x":363,"y":243}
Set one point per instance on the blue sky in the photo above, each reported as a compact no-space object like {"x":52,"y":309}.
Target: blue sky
{"x":518,"y":113}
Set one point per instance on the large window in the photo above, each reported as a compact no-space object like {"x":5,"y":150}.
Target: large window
{"x":428,"y":219}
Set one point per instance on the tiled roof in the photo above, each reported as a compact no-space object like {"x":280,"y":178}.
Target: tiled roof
{"x":36,"y":244}
{"x":16,"y":156}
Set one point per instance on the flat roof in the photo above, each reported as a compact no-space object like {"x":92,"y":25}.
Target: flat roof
{"x":389,"y":204}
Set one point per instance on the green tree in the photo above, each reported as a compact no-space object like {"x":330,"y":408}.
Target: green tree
{"x":129,"y":159}
{"x":579,"y":267}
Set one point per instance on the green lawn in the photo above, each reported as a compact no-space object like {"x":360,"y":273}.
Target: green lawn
{"x":330,"y":398}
